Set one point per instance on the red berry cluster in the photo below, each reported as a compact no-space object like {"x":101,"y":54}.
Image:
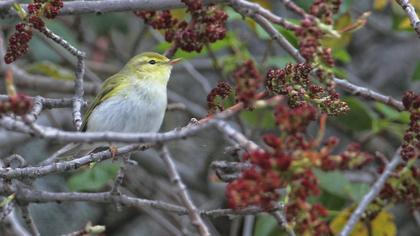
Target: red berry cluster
{"x":325,"y":9}
{"x":207,"y":25}
{"x":193,"y":5}
{"x":47,"y":8}
{"x":255,"y":187}
{"x":294,"y":81}
{"x":288,"y":161}
{"x":18,"y":42}
{"x":296,"y":120}
{"x":222,"y":91}
{"x":157,"y":19}
{"x":309,"y":35}
{"x":351,"y":158}
{"x":18,"y":104}
{"x":248,"y":81}
{"x":411,"y":145}
{"x":403,"y":187}
{"x":312,"y":218}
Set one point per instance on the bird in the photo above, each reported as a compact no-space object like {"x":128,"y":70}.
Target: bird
{"x":132,"y":100}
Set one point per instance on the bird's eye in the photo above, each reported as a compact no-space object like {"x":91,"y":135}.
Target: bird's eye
{"x":152,"y":62}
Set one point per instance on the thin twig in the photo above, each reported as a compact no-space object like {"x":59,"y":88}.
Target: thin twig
{"x":14,"y":226}
{"x":282,"y":221}
{"x":5,"y":4}
{"x":29,"y":220}
{"x":37,"y":196}
{"x":371,"y":195}
{"x":236,"y":136}
{"x":67,"y":165}
{"x":80,"y":72}
{"x":411,"y":13}
{"x":182,"y":192}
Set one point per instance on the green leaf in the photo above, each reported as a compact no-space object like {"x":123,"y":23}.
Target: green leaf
{"x":416,"y":74}
{"x":387,"y":111}
{"x":305,"y":4}
{"x":266,"y":225}
{"x":105,"y":23}
{"x":339,"y":72}
{"x":259,"y":118}
{"x":289,"y":35}
{"x":262,"y":34}
{"x":40,"y":51}
{"x":380,"y":124}
{"x":336,"y":183}
{"x":93,"y":179}
{"x":358,"y":191}
{"x":279,"y":61}
{"x":359,"y":118}
{"x":342,"y":55}
{"x":232,"y":14}
{"x":51,"y":70}
{"x":329,"y":200}
{"x":63,"y":31}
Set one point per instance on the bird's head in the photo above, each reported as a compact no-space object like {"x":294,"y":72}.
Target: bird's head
{"x":152,"y":65}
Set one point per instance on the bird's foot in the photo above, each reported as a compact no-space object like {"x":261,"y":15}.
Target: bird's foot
{"x":114,"y":151}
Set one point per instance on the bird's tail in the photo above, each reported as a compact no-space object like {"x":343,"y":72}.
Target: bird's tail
{"x":70,"y":149}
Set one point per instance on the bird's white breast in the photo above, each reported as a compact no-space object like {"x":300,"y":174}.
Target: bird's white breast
{"x":132,"y":110}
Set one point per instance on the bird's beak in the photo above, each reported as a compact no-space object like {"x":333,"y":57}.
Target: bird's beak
{"x":175,"y":61}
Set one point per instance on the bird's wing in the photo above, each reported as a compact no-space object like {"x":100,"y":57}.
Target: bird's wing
{"x":112,"y":83}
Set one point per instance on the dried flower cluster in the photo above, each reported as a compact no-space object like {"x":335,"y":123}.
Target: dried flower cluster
{"x":47,"y":8}
{"x":411,"y":145}
{"x":294,"y":81}
{"x":19,"y":41}
{"x":248,"y":80}
{"x":325,"y":10}
{"x":18,"y":104}
{"x":207,"y":25}
{"x":403,"y":187}
{"x":310,"y":32}
{"x":288,"y":161}
{"x":216,"y":97}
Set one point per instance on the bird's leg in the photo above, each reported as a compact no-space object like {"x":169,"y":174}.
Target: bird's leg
{"x":114,"y":151}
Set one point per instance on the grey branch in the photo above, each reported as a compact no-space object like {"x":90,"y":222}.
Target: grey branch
{"x":66,"y":165}
{"x":12,"y":223}
{"x":371,"y":195}
{"x":68,"y":136}
{"x":36,"y":196}
{"x":282,"y":221}
{"x":46,"y":103}
{"x":235,"y":135}
{"x":26,"y":215}
{"x":411,"y":13}
{"x":99,"y":7}
{"x":80,"y":72}
{"x":5,"y":4}
{"x":182,"y":192}
{"x":254,"y":8}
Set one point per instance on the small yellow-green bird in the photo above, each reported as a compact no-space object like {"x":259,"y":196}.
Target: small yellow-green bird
{"x":132,"y":100}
